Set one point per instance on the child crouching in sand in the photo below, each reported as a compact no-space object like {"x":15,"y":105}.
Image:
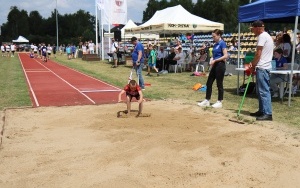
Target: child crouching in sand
{"x":132,"y":90}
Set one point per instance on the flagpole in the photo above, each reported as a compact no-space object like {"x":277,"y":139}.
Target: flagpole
{"x":102,"y":36}
{"x":56,"y":28}
{"x":96,"y":13}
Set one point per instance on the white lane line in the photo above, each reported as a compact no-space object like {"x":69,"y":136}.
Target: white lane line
{"x":35,"y":70}
{"x":97,"y":91}
{"x":87,"y":75}
{"x":33,"y":94}
{"x":38,"y":71}
{"x":67,"y":83}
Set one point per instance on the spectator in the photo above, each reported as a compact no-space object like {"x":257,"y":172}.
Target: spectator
{"x":192,"y":62}
{"x":161,"y":58}
{"x":69,"y":51}
{"x":35,"y":51}
{"x":3,"y":50}
{"x":73,"y":50}
{"x":7,"y":50}
{"x":114,"y":51}
{"x":91,"y":47}
{"x":44,"y":52}
{"x":169,"y":60}
{"x":179,"y":57}
{"x":262,"y":64}
{"x":49,"y":50}
{"x":138,"y":60}
{"x":84,"y":48}
{"x":202,"y":58}
{"x":152,"y":60}
{"x":281,"y":64}
{"x":287,"y":47}
{"x":217,"y":71}
{"x":278,"y":42}
{"x":54,"y":50}
{"x":13,"y":49}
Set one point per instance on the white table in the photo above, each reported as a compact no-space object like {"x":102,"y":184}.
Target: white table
{"x":281,"y":84}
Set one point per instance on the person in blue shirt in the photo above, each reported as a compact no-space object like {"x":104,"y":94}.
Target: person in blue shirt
{"x":44,"y":52}
{"x":138,"y":60}
{"x":217,"y":71}
{"x":281,"y":64}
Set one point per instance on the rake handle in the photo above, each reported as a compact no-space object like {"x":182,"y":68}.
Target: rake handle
{"x":245,"y":92}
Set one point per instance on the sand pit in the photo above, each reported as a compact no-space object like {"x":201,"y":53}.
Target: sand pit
{"x":179,"y":145}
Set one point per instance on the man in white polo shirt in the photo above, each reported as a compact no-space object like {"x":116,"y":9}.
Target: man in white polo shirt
{"x":262,"y":65}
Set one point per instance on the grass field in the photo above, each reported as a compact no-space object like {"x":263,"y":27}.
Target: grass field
{"x":14,"y":91}
{"x":13,"y":88}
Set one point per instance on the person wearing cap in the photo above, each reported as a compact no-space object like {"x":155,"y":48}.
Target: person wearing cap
{"x":114,"y":49}
{"x":262,"y":65}
{"x":138,"y":60}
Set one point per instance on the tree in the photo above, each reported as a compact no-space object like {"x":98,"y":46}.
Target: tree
{"x":35,"y":23}
{"x":152,"y":7}
{"x":17,"y":23}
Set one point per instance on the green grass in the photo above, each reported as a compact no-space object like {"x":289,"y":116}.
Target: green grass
{"x":168,"y":86}
{"x":13,"y":88}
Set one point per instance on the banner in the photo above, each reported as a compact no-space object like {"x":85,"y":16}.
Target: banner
{"x":119,"y":12}
{"x":104,"y":6}
{"x":113,"y":12}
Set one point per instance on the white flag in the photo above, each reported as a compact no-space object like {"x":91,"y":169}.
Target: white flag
{"x":105,"y":7}
{"x":119,"y":12}
{"x":100,"y":4}
{"x":113,"y":11}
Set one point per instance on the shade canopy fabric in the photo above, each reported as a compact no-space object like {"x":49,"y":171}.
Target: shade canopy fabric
{"x":130,"y":24}
{"x":270,"y":11}
{"x":176,"y":20}
{"x":21,"y":39}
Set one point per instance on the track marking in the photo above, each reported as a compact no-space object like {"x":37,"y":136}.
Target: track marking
{"x":33,"y":94}
{"x":87,"y":75}
{"x":38,"y":71}
{"x":67,"y":82}
{"x":96,"y":91}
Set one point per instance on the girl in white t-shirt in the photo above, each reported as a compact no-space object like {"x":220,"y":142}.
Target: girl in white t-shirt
{"x":49,"y":50}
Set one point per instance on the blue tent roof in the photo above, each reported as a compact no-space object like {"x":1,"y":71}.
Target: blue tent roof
{"x":270,"y":11}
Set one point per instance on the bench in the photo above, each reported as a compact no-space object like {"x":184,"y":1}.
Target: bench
{"x":90,"y":57}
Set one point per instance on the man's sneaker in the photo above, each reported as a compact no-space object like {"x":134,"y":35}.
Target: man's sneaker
{"x":204,"y":103}
{"x":218,"y":104}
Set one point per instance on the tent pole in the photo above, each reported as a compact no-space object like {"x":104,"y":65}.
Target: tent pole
{"x":96,"y":27}
{"x":163,"y":68}
{"x":238,"y":63}
{"x":293,"y":59}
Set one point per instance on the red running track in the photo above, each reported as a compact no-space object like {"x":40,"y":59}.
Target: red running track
{"x":52,"y":84}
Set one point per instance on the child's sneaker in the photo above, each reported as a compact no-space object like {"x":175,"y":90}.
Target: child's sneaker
{"x":218,"y":104}
{"x":204,"y":103}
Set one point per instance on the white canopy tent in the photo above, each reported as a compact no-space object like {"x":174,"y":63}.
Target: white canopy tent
{"x":175,"y":20}
{"x":127,"y":35}
{"x":21,"y":39}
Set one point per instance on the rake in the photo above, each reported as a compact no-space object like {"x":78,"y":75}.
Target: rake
{"x":238,"y":118}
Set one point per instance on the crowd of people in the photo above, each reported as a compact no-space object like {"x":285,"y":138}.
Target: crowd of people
{"x":44,"y":51}
{"x":8,"y":50}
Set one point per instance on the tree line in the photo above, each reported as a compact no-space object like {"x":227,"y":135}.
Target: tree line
{"x":72,"y":28}
{"x":80,"y":26}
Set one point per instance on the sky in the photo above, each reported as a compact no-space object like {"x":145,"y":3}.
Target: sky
{"x":45,"y":7}
{"x":135,"y":8}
